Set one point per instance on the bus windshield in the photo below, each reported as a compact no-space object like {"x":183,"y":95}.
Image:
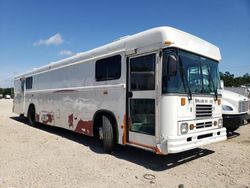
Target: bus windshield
{"x":185,"y":72}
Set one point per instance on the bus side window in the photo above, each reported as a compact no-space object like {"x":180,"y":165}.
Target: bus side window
{"x":108,"y":68}
{"x":29,"y":83}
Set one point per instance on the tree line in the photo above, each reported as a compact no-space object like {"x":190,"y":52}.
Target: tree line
{"x":6,"y":91}
{"x":231,"y":81}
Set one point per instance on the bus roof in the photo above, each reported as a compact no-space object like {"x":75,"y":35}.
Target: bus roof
{"x":156,"y":36}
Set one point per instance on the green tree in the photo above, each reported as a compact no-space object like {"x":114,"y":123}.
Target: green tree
{"x":230,"y":80}
{"x":6,"y":91}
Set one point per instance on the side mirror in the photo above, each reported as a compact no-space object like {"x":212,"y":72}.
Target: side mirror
{"x":172,"y":65}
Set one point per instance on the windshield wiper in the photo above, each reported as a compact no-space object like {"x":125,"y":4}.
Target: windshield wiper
{"x":215,"y":90}
{"x":184,"y":77}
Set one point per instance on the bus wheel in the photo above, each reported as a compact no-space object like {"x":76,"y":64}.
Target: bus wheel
{"x":32,"y":116}
{"x":108,"y":134}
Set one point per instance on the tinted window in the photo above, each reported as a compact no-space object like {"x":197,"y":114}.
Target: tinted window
{"x":190,"y":72}
{"x":108,"y":68}
{"x":142,"y":73}
{"x":29,"y":82}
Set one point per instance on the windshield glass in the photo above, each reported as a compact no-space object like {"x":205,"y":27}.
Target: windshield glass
{"x":185,"y":72}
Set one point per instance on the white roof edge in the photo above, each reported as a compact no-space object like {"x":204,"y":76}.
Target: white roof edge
{"x":179,"y":38}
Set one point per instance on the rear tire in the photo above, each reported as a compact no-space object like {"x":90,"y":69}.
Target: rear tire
{"x":32,"y":116}
{"x":108,"y":135}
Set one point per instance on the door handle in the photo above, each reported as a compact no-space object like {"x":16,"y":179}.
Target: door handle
{"x":130,"y":94}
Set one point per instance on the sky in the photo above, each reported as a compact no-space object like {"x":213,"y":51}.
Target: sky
{"x":36,"y":32}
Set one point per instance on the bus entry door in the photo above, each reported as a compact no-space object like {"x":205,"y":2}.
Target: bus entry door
{"x":141,"y":100}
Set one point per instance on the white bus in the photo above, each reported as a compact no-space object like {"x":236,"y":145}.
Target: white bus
{"x":155,"y":90}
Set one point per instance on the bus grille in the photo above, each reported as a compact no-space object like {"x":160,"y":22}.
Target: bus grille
{"x":203,"y":110}
{"x":204,"y":125}
{"x":243,"y":106}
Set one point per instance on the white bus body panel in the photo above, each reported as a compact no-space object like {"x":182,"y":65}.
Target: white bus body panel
{"x":19,"y":98}
{"x":151,"y":39}
{"x":237,"y":102}
{"x":66,"y":94}
{"x":172,"y":141}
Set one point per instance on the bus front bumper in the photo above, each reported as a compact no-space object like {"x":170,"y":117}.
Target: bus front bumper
{"x":186,"y":142}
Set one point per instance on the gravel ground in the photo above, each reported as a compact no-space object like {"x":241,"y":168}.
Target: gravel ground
{"x":53,"y":157}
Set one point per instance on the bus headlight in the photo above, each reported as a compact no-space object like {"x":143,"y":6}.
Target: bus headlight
{"x":220,"y":123}
{"x":227,"y":108}
{"x":184,"y":128}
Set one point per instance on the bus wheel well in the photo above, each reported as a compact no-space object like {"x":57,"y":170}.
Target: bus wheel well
{"x":97,"y":123}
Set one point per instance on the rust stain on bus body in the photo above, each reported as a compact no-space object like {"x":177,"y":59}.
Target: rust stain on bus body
{"x":37,"y":117}
{"x":50,"y":119}
{"x":85,"y":127}
{"x":124,"y":126}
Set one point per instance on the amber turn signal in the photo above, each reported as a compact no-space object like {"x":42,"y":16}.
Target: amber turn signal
{"x":183,"y":101}
{"x":219,"y":101}
{"x":191,"y":126}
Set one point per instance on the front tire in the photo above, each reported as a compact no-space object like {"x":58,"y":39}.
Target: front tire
{"x":108,"y":135}
{"x":32,"y":116}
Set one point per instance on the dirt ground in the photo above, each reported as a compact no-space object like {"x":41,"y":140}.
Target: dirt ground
{"x":53,"y":157}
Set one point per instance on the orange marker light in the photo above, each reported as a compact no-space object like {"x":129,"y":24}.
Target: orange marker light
{"x":167,"y":42}
{"x":219,"y":101}
{"x":191,"y":126}
{"x":183,"y":101}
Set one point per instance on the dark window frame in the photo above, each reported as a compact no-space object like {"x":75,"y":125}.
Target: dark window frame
{"x":108,"y":61}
